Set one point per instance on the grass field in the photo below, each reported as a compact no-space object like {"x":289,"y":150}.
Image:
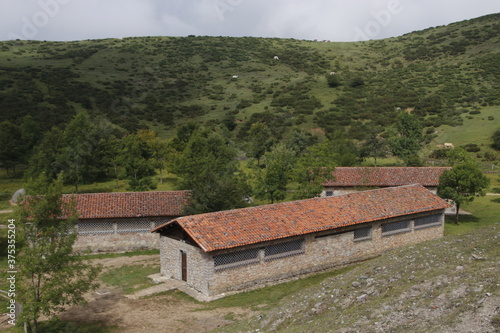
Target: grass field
{"x":477,"y":130}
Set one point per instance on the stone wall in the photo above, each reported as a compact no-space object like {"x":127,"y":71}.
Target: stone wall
{"x":321,"y":251}
{"x":118,"y":235}
{"x":199,"y":264}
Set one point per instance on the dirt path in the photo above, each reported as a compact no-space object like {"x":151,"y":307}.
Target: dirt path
{"x":161,"y":313}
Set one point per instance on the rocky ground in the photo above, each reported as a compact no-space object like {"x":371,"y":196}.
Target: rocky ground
{"x":446,"y":285}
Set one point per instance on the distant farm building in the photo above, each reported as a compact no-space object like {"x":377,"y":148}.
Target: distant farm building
{"x":115,"y":222}
{"x":351,"y":179}
{"x":230,"y":251}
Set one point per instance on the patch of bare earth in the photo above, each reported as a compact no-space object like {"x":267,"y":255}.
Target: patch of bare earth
{"x":161,"y":313}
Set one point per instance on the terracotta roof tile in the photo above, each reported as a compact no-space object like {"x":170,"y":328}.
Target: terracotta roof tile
{"x":130,"y":204}
{"x":228,"y":229}
{"x":386,"y":176}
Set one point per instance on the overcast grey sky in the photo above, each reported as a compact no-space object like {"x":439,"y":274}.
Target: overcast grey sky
{"x":335,"y":20}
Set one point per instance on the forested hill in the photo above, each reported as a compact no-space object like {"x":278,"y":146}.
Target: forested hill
{"x":161,"y":82}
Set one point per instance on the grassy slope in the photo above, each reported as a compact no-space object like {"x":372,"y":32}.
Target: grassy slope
{"x":156,"y":75}
{"x":476,"y":128}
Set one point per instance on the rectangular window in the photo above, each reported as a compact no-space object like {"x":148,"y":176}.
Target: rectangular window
{"x":236,"y":259}
{"x":329,"y":193}
{"x":428,"y":221}
{"x":133,"y":226}
{"x":285,"y":249}
{"x":362,"y":234}
{"x":90,"y":228}
{"x":396,"y":227}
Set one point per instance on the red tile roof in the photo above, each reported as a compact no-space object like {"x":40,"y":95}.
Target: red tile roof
{"x":130,"y":204}
{"x":229,"y":229}
{"x":386,"y":176}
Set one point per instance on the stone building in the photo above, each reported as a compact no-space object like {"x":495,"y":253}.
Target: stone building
{"x":351,"y":179}
{"x":116,"y":222}
{"x":228,"y":251}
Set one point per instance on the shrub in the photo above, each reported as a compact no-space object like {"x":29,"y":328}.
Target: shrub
{"x":472,"y":147}
{"x":357,"y":81}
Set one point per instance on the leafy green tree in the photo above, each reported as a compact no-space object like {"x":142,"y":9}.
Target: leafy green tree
{"x":375,"y":145}
{"x":299,"y":140}
{"x":462,"y":184}
{"x":136,"y":159}
{"x":209,"y":169}
{"x":11,"y":149}
{"x":30,"y":134}
{"x":272,"y":180}
{"x":408,"y":139}
{"x":458,"y":156}
{"x":51,"y":275}
{"x":46,"y":157}
{"x":313,"y":168}
{"x":495,"y":138}
{"x":259,"y":140}
{"x":110,"y":156}
{"x":80,"y":137}
{"x":159,"y":149}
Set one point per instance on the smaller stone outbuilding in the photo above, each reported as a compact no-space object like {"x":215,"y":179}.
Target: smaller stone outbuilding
{"x":230,"y":251}
{"x":352,"y":179}
{"x":117,"y":222}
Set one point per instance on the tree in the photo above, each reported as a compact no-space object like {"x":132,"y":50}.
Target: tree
{"x":458,"y":156}
{"x":209,"y":169}
{"x":159,"y":149}
{"x":136,"y":159}
{"x":46,"y":157}
{"x":407,"y":141}
{"x":80,"y":137}
{"x":313,"y":169}
{"x":375,"y":145}
{"x":462,"y":184}
{"x":30,"y":135}
{"x":51,"y":275}
{"x":271,"y":181}
{"x":495,"y":138}
{"x":259,"y":140}
{"x":11,"y":148}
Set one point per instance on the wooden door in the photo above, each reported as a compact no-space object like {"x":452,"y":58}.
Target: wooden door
{"x":184,"y":266}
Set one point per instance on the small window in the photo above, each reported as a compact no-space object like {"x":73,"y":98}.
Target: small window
{"x":133,"y":226}
{"x":329,"y":193}
{"x":91,"y":228}
{"x":362,"y":234}
{"x":285,"y":249}
{"x":395,"y":227}
{"x":428,"y":221}
{"x":236,"y":259}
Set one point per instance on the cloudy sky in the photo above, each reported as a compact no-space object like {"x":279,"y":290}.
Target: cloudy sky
{"x":335,"y":20}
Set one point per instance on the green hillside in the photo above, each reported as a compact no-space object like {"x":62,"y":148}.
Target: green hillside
{"x":160,"y":82}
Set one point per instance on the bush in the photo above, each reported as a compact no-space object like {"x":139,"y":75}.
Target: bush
{"x":333,"y":81}
{"x":356,"y":82}
{"x":472,"y":147}
{"x":439,"y":153}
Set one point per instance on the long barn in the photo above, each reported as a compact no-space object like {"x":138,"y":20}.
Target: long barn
{"x":241,"y":249}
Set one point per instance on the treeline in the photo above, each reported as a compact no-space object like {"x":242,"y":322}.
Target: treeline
{"x":205,"y":159}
